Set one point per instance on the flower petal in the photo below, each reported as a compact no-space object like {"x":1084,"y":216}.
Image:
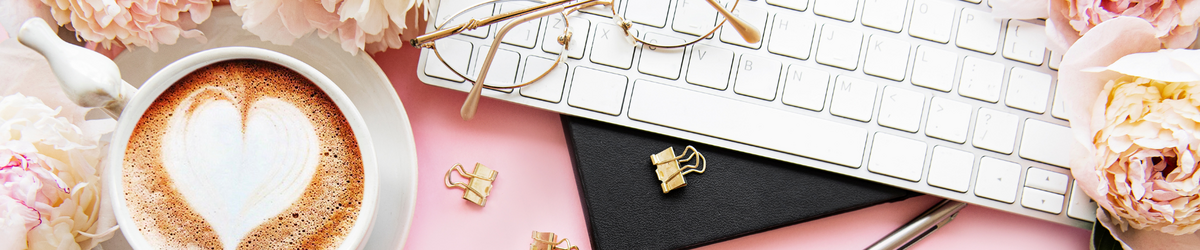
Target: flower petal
{"x":1162,"y":65}
{"x":1059,"y":32}
{"x":1146,"y":239}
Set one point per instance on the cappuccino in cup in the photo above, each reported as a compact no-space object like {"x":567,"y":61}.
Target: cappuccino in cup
{"x":243,"y":154}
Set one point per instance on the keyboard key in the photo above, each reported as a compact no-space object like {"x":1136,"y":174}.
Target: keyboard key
{"x":1046,"y":180}
{"x":799,"y":5}
{"x":597,"y":91}
{"x":839,"y":47}
{"x":931,"y":20}
{"x":837,"y":9}
{"x":476,"y":13}
{"x":757,"y":77}
{"x":978,"y":30}
{"x":648,"y":12}
{"x":884,"y":14}
{"x":997,"y":179}
{"x":503,"y":70}
{"x":1059,"y":110}
{"x":709,"y":66}
{"x":951,"y":168}
{"x":1055,"y":60}
{"x":550,"y":87}
{"x":995,"y":131}
{"x":579,"y":35}
{"x":853,"y":98}
{"x":948,"y":120}
{"x":901,"y":109}
{"x":1081,"y":207}
{"x":773,"y":128}
{"x":1028,"y":90}
{"x":934,"y":68}
{"x":694,"y":17}
{"x":1045,"y":142}
{"x":1025,"y":42}
{"x":523,"y":35}
{"x":599,"y":10}
{"x":886,"y":57}
{"x":754,"y":16}
{"x":1042,"y":200}
{"x":793,"y":36}
{"x":805,"y":88}
{"x":897,"y":157}
{"x":663,"y":62}
{"x":456,"y":52}
{"x":610,"y":47}
{"x":981,"y":79}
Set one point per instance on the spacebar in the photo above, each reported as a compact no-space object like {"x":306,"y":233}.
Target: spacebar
{"x":747,"y":123}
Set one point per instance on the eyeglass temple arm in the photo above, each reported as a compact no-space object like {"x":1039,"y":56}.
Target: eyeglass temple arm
{"x":469,"y":106}
{"x":748,"y":32}
{"x":442,"y":33}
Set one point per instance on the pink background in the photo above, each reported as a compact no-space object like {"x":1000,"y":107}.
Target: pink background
{"x":535,"y":188}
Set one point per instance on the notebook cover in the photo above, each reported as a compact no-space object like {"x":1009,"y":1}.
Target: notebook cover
{"x":739,"y":194}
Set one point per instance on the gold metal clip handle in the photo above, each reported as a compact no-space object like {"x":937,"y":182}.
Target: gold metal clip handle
{"x":477,"y":189}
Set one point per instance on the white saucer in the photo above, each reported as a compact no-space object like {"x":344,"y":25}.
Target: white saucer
{"x":357,"y":75}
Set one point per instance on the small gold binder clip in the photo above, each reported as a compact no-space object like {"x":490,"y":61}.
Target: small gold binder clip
{"x":477,"y":189}
{"x":668,"y":170}
{"x":549,"y":241}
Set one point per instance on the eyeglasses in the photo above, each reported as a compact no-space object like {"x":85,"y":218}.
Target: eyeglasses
{"x":451,"y":42}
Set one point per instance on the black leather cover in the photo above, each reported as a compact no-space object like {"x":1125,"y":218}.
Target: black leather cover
{"x":738,"y":195}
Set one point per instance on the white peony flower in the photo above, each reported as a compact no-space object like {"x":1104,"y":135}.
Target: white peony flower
{"x":50,"y":196}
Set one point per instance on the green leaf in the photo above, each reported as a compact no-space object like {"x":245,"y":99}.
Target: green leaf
{"x":1102,"y":239}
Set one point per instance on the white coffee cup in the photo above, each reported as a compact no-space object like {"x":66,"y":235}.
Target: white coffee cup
{"x":92,"y":80}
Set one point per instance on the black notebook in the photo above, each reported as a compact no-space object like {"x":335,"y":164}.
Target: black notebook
{"x":738,"y":194}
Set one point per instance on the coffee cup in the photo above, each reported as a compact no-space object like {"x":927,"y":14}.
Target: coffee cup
{"x":231,"y":148}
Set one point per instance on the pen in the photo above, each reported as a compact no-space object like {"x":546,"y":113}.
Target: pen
{"x":915,"y":230}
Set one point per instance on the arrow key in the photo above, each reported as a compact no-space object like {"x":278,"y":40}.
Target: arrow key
{"x":1046,"y":180}
{"x":997,"y":179}
{"x":1042,"y":200}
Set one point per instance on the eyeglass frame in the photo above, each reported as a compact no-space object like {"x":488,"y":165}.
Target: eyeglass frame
{"x":538,"y":11}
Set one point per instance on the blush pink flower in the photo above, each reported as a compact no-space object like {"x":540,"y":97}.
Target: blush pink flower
{"x":144,"y":23}
{"x":27,"y":184}
{"x":356,"y":24}
{"x":1135,"y":115}
{"x":1174,"y":21}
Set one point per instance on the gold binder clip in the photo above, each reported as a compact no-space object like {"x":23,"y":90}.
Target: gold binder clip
{"x":668,"y":170}
{"x":549,"y":241}
{"x":477,"y":189}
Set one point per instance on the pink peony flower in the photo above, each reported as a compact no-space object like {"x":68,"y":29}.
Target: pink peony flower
{"x":1174,"y":21}
{"x":1135,"y":116}
{"x":356,"y":24}
{"x":28,"y":184}
{"x":132,"y":22}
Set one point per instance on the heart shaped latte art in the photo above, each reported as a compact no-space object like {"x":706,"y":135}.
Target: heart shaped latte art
{"x":243,"y":154}
{"x":239,"y":168}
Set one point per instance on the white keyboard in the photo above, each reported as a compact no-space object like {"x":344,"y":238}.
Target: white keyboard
{"x":935,"y":96}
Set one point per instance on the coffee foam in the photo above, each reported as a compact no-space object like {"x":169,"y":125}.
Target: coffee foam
{"x":320,"y":216}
